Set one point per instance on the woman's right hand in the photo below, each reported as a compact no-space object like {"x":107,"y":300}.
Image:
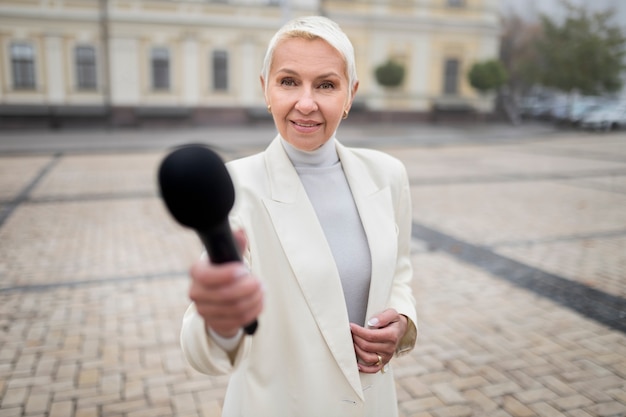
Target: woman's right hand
{"x":226,"y":296}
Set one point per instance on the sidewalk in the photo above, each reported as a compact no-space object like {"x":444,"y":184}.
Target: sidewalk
{"x":519,"y":255}
{"x":258,"y":135}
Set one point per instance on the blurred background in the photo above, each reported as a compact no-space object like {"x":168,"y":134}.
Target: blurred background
{"x":133,"y":63}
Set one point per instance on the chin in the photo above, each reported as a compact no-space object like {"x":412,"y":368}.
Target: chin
{"x":304,"y":143}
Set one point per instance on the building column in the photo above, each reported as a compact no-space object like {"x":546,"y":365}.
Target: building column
{"x":250,"y":78}
{"x":55,"y":76}
{"x":420,"y":67}
{"x":191,"y":87}
{"x":124,"y":65}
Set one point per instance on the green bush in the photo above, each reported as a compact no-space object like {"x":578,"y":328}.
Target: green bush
{"x":390,"y":74}
{"x":487,"y":75}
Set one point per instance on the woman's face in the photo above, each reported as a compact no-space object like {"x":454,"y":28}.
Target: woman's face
{"x":307,"y":89}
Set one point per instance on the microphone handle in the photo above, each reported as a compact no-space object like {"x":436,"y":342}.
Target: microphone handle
{"x":221,"y":248}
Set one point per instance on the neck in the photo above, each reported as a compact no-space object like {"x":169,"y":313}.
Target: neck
{"x":325,"y":155}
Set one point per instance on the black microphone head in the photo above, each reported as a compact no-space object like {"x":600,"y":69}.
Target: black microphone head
{"x":196,"y":187}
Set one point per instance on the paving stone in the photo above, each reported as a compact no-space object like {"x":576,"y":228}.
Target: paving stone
{"x":124,"y":407}
{"x":612,"y":408}
{"x":516,"y":408}
{"x":162,"y":411}
{"x":577,"y":413}
{"x":11,"y":412}
{"x":37,"y":403}
{"x":498,"y":390}
{"x":572,"y":402}
{"x":545,"y":410}
{"x":533,"y":396}
{"x":13,"y":397}
{"x":453,"y":411}
{"x":61,"y":409}
{"x":448,"y":393}
{"x":87,"y":412}
{"x":484,"y":404}
{"x":422,"y":404}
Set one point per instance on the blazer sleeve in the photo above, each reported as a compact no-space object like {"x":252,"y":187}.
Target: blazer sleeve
{"x":402,"y":298}
{"x":201,"y":351}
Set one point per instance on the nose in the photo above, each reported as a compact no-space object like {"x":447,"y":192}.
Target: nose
{"x":306,"y":103}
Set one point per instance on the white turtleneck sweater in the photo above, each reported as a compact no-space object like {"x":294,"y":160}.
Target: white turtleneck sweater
{"x":328,"y":190}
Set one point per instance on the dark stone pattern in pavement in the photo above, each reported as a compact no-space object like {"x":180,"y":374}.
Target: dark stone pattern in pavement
{"x":607,"y":309}
{"x":24,"y":194}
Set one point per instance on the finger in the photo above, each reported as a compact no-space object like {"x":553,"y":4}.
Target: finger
{"x":370,"y":336}
{"x":212,"y":275}
{"x":242,"y":239}
{"x":371,"y":369}
{"x":383,"y":319}
{"x":365,"y":357}
{"x":235,"y":307}
{"x":227,"y":294}
{"x":233,"y":315}
{"x":359,"y":331}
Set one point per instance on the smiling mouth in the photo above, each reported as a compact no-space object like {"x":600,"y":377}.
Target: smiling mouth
{"x":305,"y":125}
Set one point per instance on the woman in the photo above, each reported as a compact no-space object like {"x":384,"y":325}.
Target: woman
{"x":325,"y":232}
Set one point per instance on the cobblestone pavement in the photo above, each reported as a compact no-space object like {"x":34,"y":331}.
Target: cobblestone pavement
{"x":519,"y":255}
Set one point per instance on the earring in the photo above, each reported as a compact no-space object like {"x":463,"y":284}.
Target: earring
{"x":345,"y":114}
{"x":269,"y":108}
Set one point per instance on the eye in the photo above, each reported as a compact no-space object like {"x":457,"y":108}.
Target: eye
{"x":327,"y":85}
{"x":288,"y":82}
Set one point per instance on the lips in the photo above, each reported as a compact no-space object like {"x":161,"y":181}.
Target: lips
{"x":305,"y":124}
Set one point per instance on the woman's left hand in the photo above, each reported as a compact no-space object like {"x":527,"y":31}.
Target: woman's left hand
{"x":376,"y":344}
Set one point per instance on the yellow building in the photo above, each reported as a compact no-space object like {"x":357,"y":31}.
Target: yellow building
{"x":132,"y":62}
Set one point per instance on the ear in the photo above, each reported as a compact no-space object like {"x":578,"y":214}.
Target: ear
{"x":264,"y":89}
{"x":354,"y":90}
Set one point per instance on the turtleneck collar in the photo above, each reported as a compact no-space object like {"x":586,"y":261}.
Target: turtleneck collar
{"x":324,"y":156}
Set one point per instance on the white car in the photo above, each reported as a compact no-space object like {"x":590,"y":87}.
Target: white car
{"x":605,"y":118}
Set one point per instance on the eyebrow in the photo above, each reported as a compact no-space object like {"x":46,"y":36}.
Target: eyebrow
{"x":325,"y":75}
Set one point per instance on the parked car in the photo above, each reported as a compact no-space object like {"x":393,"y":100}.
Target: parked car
{"x":572,"y":112}
{"x":581,"y":109}
{"x":536,"y":108}
{"x":608,"y":117}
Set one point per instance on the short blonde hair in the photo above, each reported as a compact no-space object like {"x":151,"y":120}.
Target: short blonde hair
{"x":314,"y":27}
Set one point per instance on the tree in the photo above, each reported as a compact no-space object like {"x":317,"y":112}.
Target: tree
{"x":518,"y":53}
{"x":487,"y":75}
{"x":390,"y":74}
{"x":585,"y":53}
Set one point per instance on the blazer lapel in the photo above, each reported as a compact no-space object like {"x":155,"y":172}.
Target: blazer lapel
{"x":377,"y":216}
{"x":312,"y":261}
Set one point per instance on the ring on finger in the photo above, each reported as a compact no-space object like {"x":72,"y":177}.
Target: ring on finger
{"x":380,"y":360}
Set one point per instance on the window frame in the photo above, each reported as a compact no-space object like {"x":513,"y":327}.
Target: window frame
{"x":451,"y":76}
{"x":457,"y":4}
{"x":220,"y":70}
{"x":160,"y":68}
{"x":23,"y":68}
{"x":86,"y":68}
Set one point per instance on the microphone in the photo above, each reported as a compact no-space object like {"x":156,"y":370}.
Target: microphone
{"x":199,"y":194}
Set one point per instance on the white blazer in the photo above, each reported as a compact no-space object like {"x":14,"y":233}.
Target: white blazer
{"x":301,"y":361}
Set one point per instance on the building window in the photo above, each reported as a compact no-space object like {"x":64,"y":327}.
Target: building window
{"x":86,"y":67}
{"x":220,"y":70}
{"x":160,"y":69}
{"x":456,"y":3}
{"x":451,"y":77}
{"x":23,"y":66}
